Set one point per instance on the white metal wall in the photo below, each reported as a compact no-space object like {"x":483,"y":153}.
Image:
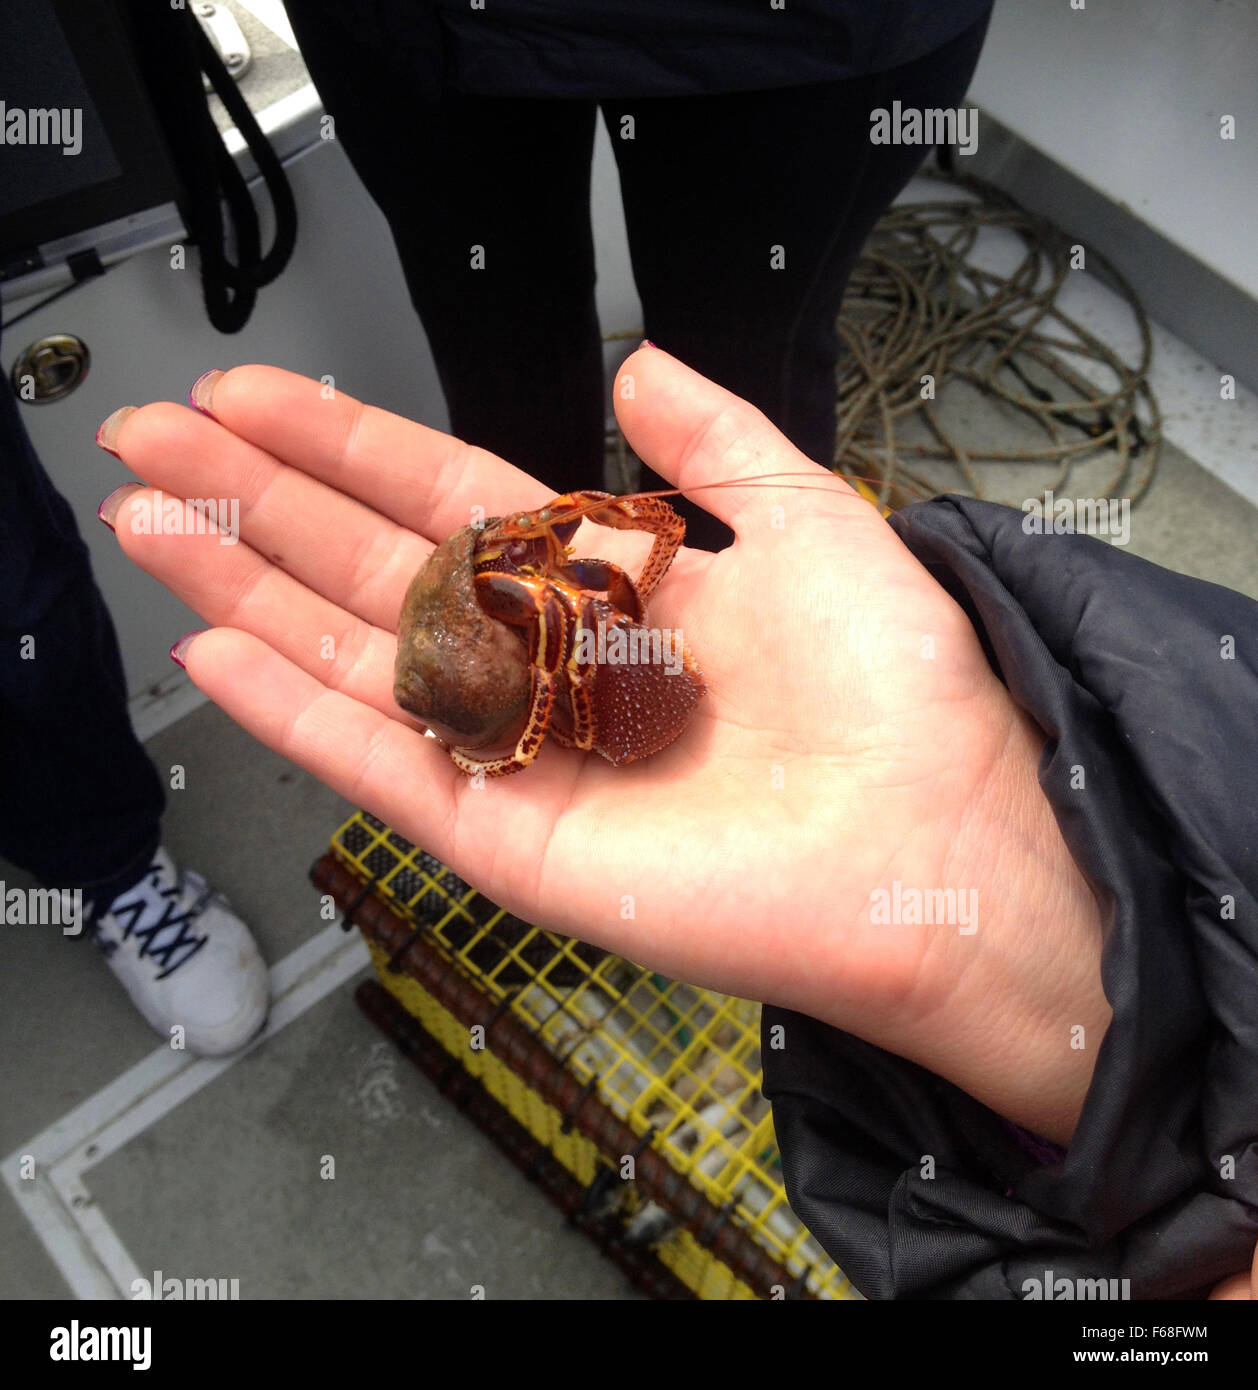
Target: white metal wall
{"x":1127,"y":94}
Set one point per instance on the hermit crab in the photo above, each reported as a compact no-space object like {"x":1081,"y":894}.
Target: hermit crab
{"x":505,"y":639}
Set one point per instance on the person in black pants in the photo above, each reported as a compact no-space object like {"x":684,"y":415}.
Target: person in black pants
{"x":80,"y":802}
{"x":476,"y":130}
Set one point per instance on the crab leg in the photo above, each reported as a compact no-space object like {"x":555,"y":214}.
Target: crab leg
{"x":540,"y":708}
{"x":581,"y":682}
{"x":650,"y":514}
{"x":553,"y":526}
{"x":526,"y":601}
{"x":602,"y":576}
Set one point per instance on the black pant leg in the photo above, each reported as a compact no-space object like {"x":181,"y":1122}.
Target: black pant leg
{"x":516,"y":340}
{"x":80,"y":802}
{"x":713,"y":184}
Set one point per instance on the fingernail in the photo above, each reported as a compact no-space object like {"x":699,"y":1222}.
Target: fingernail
{"x":107,"y":435}
{"x":203,"y":390}
{"x":108,"y":509}
{"x":646,"y":342}
{"x":179,"y":652}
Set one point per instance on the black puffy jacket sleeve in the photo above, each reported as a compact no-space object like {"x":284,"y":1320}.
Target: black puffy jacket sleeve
{"x":1145,"y":683}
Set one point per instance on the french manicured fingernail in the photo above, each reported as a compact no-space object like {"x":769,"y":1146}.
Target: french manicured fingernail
{"x":108,"y":509}
{"x":179,"y":652}
{"x":107,"y":435}
{"x":646,"y":342}
{"x":203,"y":391}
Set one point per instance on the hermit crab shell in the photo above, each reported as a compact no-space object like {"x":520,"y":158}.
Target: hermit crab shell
{"x":463,"y":673}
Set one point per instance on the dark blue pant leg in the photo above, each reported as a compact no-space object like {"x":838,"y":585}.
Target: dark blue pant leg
{"x":515,"y":341}
{"x":80,"y":802}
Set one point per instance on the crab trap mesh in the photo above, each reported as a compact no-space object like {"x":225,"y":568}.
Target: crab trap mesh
{"x":591,"y":1061}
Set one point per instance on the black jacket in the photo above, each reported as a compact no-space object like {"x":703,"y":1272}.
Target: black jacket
{"x":1149,"y":680}
{"x":599,"y":49}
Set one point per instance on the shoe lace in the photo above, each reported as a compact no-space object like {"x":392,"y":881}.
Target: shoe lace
{"x":170,"y":941}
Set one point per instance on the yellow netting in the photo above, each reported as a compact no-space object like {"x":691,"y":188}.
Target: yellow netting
{"x":670,"y":1060}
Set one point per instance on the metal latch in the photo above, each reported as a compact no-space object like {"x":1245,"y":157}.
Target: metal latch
{"x":50,"y":368}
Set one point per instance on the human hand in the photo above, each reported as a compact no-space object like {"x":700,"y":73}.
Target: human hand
{"x":852,"y":735}
{"x":1238,"y":1288}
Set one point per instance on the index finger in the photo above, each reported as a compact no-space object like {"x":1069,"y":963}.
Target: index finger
{"x":417,"y":476}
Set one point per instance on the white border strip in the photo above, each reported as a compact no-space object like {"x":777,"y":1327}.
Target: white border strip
{"x":74,"y":1231}
{"x":157,"y":707}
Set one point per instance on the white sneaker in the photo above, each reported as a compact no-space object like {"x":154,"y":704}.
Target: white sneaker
{"x":186,"y":959}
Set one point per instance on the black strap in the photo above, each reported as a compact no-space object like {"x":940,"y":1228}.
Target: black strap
{"x":173,"y":51}
{"x":260,"y":271}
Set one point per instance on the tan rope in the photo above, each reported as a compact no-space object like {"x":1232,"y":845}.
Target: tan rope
{"x":917,"y":306}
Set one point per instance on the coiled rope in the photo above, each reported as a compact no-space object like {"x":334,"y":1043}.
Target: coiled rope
{"x":918,"y":307}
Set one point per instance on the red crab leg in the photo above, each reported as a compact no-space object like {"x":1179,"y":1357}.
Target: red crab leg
{"x":540,"y":708}
{"x":581,"y":682}
{"x":651,"y":514}
{"x":602,"y":576}
{"x":540,"y":605}
{"x":636,"y":512}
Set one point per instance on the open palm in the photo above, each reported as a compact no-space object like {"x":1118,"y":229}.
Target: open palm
{"x":852,"y":735}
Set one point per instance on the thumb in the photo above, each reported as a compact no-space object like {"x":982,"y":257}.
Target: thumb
{"x":1239,"y":1286}
{"x":694,"y":432}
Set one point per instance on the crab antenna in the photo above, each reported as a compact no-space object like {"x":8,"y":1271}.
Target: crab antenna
{"x":584,"y":508}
